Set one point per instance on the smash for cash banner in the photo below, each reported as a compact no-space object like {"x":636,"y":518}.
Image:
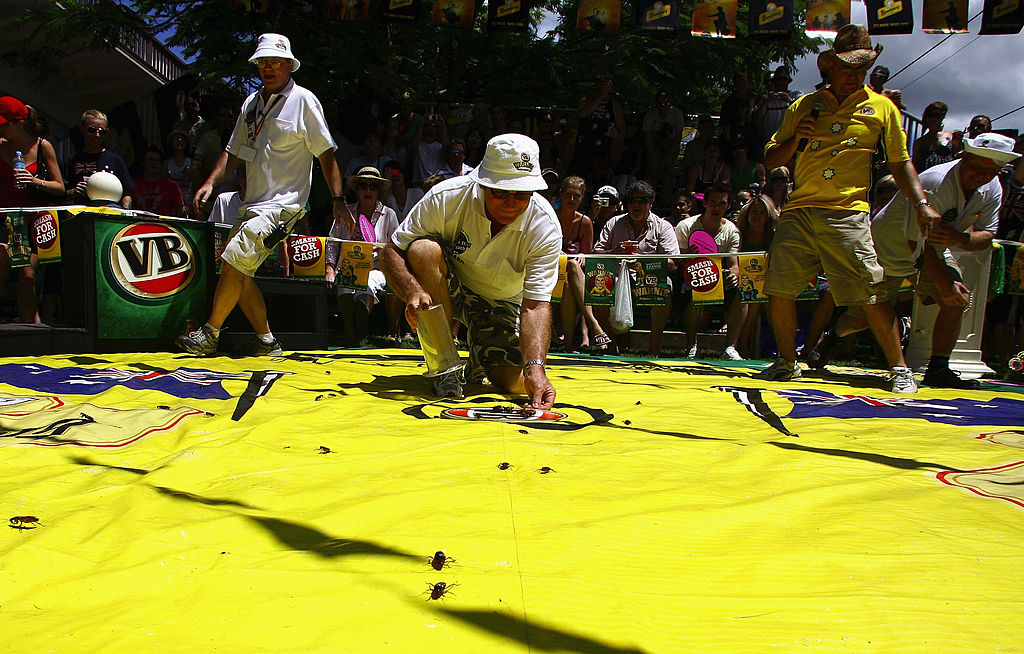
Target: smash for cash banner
{"x":890,"y":17}
{"x":704,"y":276}
{"x":307,"y":254}
{"x":599,"y":16}
{"x":453,"y":13}
{"x":827,"y":15}
{"x":28,"y":228}
{"x":715,"y":18}
{"x":944,"y":17}
{"x":771,"y":19}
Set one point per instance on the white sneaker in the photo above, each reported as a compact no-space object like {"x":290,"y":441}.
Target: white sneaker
{"x":731,"y":354}
{"x":692,"y":352}
{"x":902,"y":380}
{"x":781,"y":370}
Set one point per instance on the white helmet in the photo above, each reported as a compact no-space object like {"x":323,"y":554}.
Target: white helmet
{"x":104,"y":186}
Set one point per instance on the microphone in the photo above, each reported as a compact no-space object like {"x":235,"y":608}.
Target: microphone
{"x":818,"y":104}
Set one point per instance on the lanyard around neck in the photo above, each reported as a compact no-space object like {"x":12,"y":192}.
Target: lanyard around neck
{"x":263,"y":115}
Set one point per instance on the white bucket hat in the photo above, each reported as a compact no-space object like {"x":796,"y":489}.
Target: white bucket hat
{"x":511,"y":163}
{"x":274,"y":45}
{"x":992,"y":146}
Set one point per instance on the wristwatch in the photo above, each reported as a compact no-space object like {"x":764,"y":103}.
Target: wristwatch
{"x":533,"y":362}
{"x":923,"y":202}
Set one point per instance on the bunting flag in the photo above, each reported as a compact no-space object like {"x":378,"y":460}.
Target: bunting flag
{"x":354,"y":265}
{"x":1002,"y":17}
{"x":651,"y":288}
{"x":307,"y":254}
{"x":599,"y":288}
{"x":556,"y":295}
{"x":704,"y":276}
{"x":827,"y":15}
{"x":890,"y":17}
{"x":752,"y":274}
{"x":771,"y":19}
{"x":944,"y":17}
{"x":599,"y":16}
{"x":402,"y":11}
{"x":453,"y":13}
{"x":46,"y":236}
{"x":657,"y":15}
{"x":508,"y":15}
{"x":349,"y":10}
{"x":19,"y":243}
{"x":715,"y":18}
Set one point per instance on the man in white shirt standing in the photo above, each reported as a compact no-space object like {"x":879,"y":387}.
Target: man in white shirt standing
{"x":485,"y":246}
{"x":281,"y":128}
{"x":967,"y":194}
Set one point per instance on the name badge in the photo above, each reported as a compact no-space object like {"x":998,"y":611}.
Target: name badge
{"x":247,"y":154}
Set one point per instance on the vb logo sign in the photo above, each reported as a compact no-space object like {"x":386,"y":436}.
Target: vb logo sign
{"x":151,"y":261}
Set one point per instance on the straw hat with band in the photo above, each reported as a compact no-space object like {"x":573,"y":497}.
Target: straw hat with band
{"x":852,"y":46}
{"x":511,"y":163}
{"x":992,"y":146}
{"x":368,"y":174}
{"x":274,"y":45}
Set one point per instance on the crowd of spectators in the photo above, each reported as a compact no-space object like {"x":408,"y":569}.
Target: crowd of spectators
{"x":648,"y":177}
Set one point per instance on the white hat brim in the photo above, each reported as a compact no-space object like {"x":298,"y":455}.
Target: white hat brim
{"x":505,"y":183}
{"x":998,"y":156}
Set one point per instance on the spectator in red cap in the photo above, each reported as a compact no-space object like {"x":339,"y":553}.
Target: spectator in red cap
{"x":34,"y":186}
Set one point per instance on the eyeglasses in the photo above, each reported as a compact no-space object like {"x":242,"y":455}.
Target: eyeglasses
{"x":92,"y":129}
{"x":504,"y":195}
{"x":638,"y":199}
{"x":363,"y":186}
{"x":272,"y":64}
{"x":461,"y":153}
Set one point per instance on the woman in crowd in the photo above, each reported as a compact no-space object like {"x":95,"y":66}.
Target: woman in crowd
{"x":757,"y":221}
{"x":401,"y":198}
{"x":778,"y":187}
{"x":179,"y":166}
{"x":577,"y":238}
{"x":935,"y":146}
{"x":39,"y":184}
{"x":356,"y":305}
{"x":710,"y":171}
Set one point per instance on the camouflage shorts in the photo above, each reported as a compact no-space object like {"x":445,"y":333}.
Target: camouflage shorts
{"x":493,"y":328}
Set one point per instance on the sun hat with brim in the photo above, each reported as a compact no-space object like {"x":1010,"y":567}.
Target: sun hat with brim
{"x":12,"y":108}
{"x":368,"y":174}
{"x":511,"y":163}
{"x":992,"y":146}
{"x":852,"y":46}
{"x":274,"y":45}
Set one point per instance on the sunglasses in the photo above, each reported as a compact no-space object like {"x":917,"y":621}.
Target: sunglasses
{"x":458,"y":152}
{"x":97,"y":130}
{"x":272,"y":64}
{"x":363,"y":186}
{"x":504,"y":195}
{"x":639,"y":199}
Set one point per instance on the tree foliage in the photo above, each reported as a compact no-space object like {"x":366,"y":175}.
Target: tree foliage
{"x":343,"y":60}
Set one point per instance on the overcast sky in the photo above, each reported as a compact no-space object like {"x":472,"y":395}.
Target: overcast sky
{"x":985,"y":77}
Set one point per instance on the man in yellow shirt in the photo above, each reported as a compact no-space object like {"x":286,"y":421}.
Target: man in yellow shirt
{"x":832,"y":134}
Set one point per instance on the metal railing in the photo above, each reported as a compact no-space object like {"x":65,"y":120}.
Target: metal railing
{"x":147,"y":50}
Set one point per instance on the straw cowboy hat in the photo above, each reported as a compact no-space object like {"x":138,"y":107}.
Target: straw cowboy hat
{"x":368,"y":174}
{"x":851,"y":46}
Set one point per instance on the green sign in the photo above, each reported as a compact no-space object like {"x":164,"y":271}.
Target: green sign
{"x":600,"y":281}
{"x":151,"y":276}
{"x":651,"y":288}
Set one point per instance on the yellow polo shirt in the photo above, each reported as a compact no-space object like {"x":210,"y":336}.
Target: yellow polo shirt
{"x":834,"y":170}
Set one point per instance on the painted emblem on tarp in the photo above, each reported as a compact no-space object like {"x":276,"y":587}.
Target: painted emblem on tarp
{"x":151,"y":261}
{"x":1005,"y":482}
{"x":501,"y":413}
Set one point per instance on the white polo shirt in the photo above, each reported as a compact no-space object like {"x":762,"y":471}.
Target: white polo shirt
{"x":286,"y":132}
{"x":520,"y":262}
{"x":896,"y":224}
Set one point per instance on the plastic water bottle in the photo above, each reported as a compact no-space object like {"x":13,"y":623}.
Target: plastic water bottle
{"x":18,"y":164}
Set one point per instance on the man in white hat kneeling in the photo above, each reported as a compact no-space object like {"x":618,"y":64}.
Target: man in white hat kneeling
{"x":280,"y":129}
{"x":967,"y":194}
{"x":485,"y":246}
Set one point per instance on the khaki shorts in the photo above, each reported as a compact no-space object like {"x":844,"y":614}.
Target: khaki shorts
{"x":839,"y":242}
{"x":245,"y":250}
{"x":925,"y":288}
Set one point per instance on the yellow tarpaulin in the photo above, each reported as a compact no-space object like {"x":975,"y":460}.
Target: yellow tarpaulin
{"x":293,"y":504}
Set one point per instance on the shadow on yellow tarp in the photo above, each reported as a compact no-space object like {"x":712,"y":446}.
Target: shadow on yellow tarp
{"x":294,"y":504}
